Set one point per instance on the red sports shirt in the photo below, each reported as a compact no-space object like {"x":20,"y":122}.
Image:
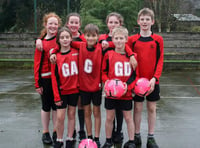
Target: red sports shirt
{"x":116,"y":65}
{"x":42,"y":65}
{"x":150,"y":55}
{"x":65,"y":74}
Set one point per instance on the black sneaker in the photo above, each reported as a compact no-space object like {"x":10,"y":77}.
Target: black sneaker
{"x":46,"y":138}
{"x":118,"y":137}
{"x":138,"y":140}
{"x":98,"y":143}
{"x":58,"y":144}
{"x":69,"y":144}
{"x":82,"y":135}
{"x":108,"y":145}
{"x":151,"y":143}
{"x":74,"y":135}
{"x":54,"y":137}
{"x":129,"y":144}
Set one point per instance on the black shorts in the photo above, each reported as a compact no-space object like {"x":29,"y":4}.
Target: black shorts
{"x":71,"y":100}
{"x":154,"y":96}
{"x":47,"y":96}
{"x":88,"y":97}
{"x":124,"y":105}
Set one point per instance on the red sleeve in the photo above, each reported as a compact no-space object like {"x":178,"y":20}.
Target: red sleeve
{"x":82,"y":37}
{"x":128,"y":50}
{"x":159,"y":68}
{"x":132,"y":85}
{"x":54,"y":50}
{"x":76,"y":44}
{"x":105,"y":68}
{"x":55,"y":83}
{"x":37,"y":61}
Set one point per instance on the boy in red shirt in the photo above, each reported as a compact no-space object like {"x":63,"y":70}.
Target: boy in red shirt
{"x":149,"y":49}
{"x":116,"y":65}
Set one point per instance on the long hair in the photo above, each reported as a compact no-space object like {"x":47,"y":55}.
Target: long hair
{"x":59,"y":32}
{"x":45,"y":19}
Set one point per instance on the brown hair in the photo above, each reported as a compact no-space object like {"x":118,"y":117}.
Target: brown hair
{"x":146,"y":11}
{"x":45,"y":19}
{"x":119,"y":17}
{"x":72,"y":14}
{"x":59,"y":32}
{"x":91,"y":28}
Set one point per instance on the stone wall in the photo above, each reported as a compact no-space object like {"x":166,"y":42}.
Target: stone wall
{"x":181,"y":50}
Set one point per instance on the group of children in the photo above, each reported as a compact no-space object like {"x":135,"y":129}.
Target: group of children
{"x":70,"y":69}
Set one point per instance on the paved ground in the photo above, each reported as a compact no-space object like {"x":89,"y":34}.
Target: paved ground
{"x":177,"y":123}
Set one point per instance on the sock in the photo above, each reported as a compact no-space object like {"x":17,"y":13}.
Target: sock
{"x":119,"y":119}
{"x":90,"y":137}
{"x":109,"y":140}
{"x":137,"y":134}
{"x":131,"y":141}
{"x":150,"y":136}
{"x":96,"y":138}
{"x":59,"y":140}
{"x":81,"y":119}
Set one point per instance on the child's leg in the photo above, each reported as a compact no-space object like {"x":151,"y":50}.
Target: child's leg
{"x":97,"y":119}
{"x":54,"y":118}
{"x":71,"y":120}
{"x":151,"y":108}
{"x":130,"y":124}
{"x":88,"y":121}
{"x":138,"y":106}
{"x":110,"y":115}
{"x":60,"y":123}
{"x":45,"y":117}
{"x":80,"y":115}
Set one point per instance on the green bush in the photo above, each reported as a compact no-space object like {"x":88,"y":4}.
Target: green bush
{"x":195,"y":29}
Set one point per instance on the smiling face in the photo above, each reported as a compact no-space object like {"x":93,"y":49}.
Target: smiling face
{"x":74,"y":24}
{"x":112,"y":22}
{"x":145,"y":22}
{"x":91,"y":39}
{"x":52,"y":25}
{"x":65,"y":39}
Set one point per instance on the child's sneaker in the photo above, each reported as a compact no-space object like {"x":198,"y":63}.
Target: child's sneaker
{"x":58,"y":144}
{"x":98,"y":143}
{"x":82,"y":135}
{"x":118,"y":137}
{"x":46,"y":138}
{"x":138,"y":140}
{"x":108,"y":145}
{"x":54,"y":136}
{"x":69,"y":144}
{"x":151,"y":143}
{"x":129,"y":144}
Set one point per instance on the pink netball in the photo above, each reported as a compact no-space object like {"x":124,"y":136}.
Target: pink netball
{"x":114,"y":88}
{"x":87,"y":143}
{"x":142,"y":87}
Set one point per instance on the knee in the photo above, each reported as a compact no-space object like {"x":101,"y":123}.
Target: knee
{"x":137,"y":109}
{"x":151,"y":110}
{"x":60,"y":118}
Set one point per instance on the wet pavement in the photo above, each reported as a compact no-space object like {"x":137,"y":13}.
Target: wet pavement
{"x":177,"y":123}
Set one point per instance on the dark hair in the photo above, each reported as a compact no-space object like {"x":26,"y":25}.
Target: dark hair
{"x":91,"y":28}
{"x":72,"y":14}
{"x":59,"y":32}
{"x":119,"y":17}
